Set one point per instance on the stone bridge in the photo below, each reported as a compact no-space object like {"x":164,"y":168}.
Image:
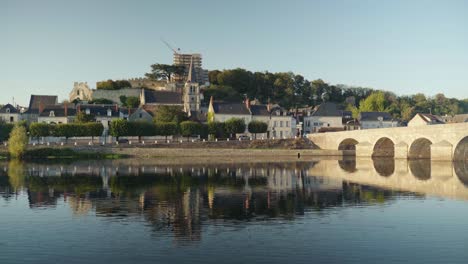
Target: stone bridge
{"x":438,"y":142}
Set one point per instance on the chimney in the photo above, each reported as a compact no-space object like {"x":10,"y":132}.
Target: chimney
{"x":41,"y":107}
{"x":78,"y":108}
{"x":116,"y":107}
{"x":269,"y":107}
{"x":65,"y":107}
{"x":247,"y":103}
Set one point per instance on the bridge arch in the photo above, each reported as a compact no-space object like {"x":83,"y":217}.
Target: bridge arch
{"x":461,"y":150}
{"x":348,"y":144}
{"x":384,"y":147}
{"x":420,"y":149}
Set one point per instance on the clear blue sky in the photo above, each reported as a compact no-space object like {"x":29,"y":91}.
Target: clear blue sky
{"x":400,"y":46}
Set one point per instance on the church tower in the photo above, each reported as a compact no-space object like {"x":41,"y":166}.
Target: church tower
{"x":191,"y":95}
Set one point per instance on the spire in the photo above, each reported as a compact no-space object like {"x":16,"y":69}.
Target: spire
{"x":191,"y":72}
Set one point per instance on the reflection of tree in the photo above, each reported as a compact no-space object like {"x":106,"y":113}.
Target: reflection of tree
{"x":16,"y":174}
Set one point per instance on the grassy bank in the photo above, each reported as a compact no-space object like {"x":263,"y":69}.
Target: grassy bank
{"x":63,"y":153}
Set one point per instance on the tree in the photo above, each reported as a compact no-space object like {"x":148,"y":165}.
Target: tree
{"x":375,"y":102}
{"x":5,"y":130}
{"x":234,"y":126}
{"x":216,"y":129}
{"x":189,"y":128}
{"x":170,"y":113}
{"x":101,"y":101}
{"x":131,"y":101}
{"x":257,"y":127}
{"x":166,"y":129}
{"x":119,"y":128}
{"x":18,"y":142}
{"x":82,"y":117}
{"x":140,"y":129}
{"x":113,"y":85}
{"x":164,"y":71}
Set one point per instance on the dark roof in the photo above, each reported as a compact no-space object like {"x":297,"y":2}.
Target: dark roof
{"x":433,"y":119}
{"x":327,"y":109}
{"x":11,"y":108}
{"x":162,"y":97}
{"x":37,"y":100}
{"x":59,"y":111}
{"x":259,"y":110}
{"x":374,"y":116}
{"x":230,"y":108}
{"x":101,"y":110}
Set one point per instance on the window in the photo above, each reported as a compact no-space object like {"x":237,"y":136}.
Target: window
{"x":78,"y":92}
{"x":109,"y":112}
{"x":88,"y":111}
{"x":52,"y":113}
{"x":287,"y":123}
{"x":281,"y":123}
{"x":12,"y":119}
{"x":275,"y":123}
{"x":8,"y":110}
{"x":141,"y":115}
{"x":316,"y":124}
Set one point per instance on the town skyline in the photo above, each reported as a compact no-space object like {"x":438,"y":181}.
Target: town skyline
{"x":56,"y":44}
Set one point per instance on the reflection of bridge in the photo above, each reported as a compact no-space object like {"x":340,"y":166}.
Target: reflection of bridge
{"x":438,"y":142}
{"x":440,"y":178}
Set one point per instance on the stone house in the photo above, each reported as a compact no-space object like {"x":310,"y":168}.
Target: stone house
{"x":103,"y":114}
{"x":37,"y":103}
{"x":424,"y":120}
{"x":325,"y":116}
{"x":9,"y":114}
{"x":140,"y":115}
{"x":57,"y":114}
{"x":369,"y":120}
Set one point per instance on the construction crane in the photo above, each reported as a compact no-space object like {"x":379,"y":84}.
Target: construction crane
{"x":170,"y":47}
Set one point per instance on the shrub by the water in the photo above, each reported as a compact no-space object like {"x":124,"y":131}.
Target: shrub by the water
{"x":18,"y":142}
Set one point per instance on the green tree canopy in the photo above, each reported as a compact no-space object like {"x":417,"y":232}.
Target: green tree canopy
{"x":164,"y":71}
{"x":257,"y":127}
{"x":170,"y":113}
{"x":189,"y":128}
{"x":119,"y":127}
{"x":234,"y":126}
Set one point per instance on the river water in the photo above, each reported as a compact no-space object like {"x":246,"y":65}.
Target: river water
{"x":143,"y":211}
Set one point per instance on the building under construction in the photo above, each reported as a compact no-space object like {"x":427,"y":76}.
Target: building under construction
{"x":201,"y":75}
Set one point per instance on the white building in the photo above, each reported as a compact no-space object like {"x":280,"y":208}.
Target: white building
{"x":325,"y":116}
{"x":57,"y":114}
{"x":9,"y":114}
{"x":370,"y":120}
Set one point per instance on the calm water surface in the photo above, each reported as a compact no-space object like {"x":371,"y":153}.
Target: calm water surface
{"x":129,"y":211}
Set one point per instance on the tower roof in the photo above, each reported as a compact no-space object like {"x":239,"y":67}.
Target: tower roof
{"x":191,"y":78}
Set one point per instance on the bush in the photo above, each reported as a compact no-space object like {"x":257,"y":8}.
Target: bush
{"x":216,"y":129}
{"x":166,"y":128}
{"x":141,"y":129}
{"x":256,"y":127}
{"x":188,"y":128}
{"x":39,"y":130}
{"x":18,"y":142}
{"x":5,"y":130}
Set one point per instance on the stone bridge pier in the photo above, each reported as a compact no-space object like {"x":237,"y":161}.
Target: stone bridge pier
{"x":437,"y":142}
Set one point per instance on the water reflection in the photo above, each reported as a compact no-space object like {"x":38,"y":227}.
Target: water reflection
{"x":179,"y":199}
